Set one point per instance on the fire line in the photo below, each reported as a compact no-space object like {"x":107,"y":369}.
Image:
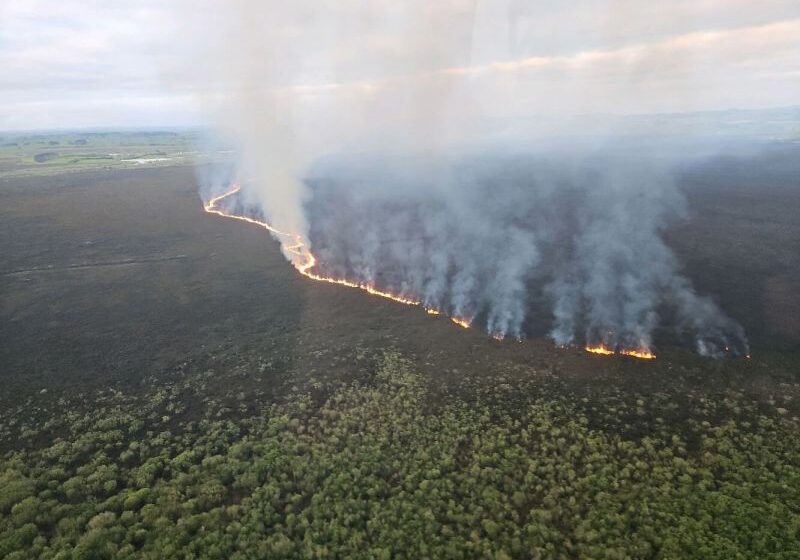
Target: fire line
{"x":642,"y":353}
{"x":304,"y":261}
{"x":302,"y":258}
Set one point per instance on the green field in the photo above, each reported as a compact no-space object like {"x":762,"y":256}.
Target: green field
{"x":24,"y":154}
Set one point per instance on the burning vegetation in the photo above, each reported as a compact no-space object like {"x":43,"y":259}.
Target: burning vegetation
{"x":304,"y":261}
{"x":641,"y":353}
{"x":435,"y":182}
{"x":441,"y":254}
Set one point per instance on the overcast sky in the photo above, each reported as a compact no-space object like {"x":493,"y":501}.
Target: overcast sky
{"x":87,"y":63}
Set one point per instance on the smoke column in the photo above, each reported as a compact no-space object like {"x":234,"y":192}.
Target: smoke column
{"x":427,"y":149}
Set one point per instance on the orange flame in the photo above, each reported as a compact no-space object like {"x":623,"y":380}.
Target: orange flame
{"x":599,"y":349}
{"x":641,"y":353}
{"x":304,"y":261}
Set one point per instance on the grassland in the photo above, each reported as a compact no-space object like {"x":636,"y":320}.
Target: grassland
{"x":40,"y":154}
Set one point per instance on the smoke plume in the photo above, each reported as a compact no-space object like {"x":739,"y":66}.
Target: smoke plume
{"x":425,"y":149}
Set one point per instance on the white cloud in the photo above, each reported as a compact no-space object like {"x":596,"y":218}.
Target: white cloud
{"x":72,"y":63}
{"x":75,"y":63}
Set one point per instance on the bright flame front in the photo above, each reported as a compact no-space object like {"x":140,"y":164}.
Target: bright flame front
{"x":599,"y":349}
{"x":304,"y":261}
{"x":641,"y":353}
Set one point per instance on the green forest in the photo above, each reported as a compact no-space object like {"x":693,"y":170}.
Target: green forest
{"x":375,"y":468}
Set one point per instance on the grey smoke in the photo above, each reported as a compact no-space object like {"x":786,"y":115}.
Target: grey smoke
{"x":407,"y":143}
{"x":497,"y":228}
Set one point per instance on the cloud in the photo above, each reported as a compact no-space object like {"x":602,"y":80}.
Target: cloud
{"x":696,"y":59}
{"x":84,"y":63}
{"x":688,"y":55}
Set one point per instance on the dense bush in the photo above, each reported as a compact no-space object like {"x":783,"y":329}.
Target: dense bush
{"x":373,"y":472}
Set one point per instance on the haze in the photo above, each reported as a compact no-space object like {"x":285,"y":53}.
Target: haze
{"x":120,"y":64}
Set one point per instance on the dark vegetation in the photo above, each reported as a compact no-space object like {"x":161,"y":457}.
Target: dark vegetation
{"x":170,"y":388}
{"x":372,"y":469}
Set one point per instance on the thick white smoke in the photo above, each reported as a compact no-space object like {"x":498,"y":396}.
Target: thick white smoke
{"x":431,"y":149}
{"x":498,"y":229}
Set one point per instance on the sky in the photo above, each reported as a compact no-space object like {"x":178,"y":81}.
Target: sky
{"x":157,"y":63}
